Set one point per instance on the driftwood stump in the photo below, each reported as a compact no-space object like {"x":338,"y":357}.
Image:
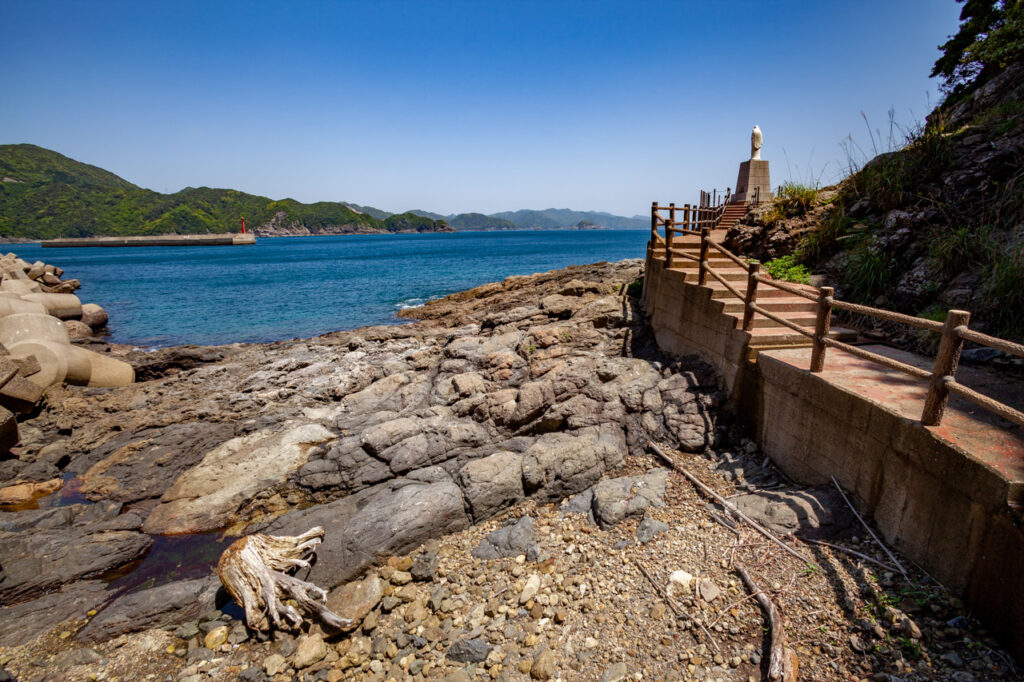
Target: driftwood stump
{"x":253,"y":571}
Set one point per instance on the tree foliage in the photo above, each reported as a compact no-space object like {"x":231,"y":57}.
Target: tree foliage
{"x":991,"y":36}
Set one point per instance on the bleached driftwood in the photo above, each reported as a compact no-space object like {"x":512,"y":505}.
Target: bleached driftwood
{"x":253,"y":571}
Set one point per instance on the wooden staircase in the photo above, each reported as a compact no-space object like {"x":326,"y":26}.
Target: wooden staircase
{"x":765,"y":333}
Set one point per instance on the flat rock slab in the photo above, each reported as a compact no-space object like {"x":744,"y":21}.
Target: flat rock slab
{"x":42,"y":560}
{"x":205,"y":497}
{"x":21,"y":623}
{"x":815,"y":513}
{"x":158,"y":607}
{"x":389,"y":518}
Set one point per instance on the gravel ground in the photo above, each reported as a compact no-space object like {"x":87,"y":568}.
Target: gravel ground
{"x":583,"y":610}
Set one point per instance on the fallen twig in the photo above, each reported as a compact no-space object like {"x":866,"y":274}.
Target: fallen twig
{"x":865,"y":557}
{"x":868,"y":529}
{"x":782,"y":663}
{"x":674,"y":605}
{"x":728,"y":505}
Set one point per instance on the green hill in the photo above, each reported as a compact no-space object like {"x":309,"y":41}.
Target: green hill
{"x":45,"y":195}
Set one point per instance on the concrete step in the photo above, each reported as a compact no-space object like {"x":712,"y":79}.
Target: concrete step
{"x":786,"y":304}
{"x":731,"y":275}
{"x":777,"y":337}
{"x":719,"y":291}
{"x":762,"y":322}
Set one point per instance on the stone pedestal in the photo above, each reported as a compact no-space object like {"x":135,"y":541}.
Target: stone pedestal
{"x":753,"y":174}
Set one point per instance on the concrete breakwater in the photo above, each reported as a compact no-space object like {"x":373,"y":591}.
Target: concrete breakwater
{"x":228,"y":239}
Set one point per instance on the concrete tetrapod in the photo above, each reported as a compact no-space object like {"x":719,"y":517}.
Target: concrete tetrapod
{"x":64,"y":306}
{"x":46,"y":338}
{"x":20,"y":286}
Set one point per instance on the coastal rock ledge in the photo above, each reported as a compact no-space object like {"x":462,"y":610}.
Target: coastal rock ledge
{"x":531,"y":388}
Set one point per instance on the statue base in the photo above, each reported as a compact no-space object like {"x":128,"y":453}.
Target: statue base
{"x":753,"y":174}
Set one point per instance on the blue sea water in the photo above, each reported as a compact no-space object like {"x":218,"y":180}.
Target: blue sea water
{"x":295,"y":287}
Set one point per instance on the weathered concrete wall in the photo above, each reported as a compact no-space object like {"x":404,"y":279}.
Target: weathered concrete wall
{"x":948,"y":511}
{"x":686,"y":320}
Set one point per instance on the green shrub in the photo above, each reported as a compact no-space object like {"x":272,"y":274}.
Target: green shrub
{"x":868,"y":273}
{"x":787,"y":269}
{"x":1004,"y":288}
{"x":791,"y":200}
{"x":823,"y":240}
{"x":635,"y":288}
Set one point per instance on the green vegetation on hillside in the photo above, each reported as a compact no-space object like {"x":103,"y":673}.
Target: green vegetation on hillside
{"x":45,"y":195}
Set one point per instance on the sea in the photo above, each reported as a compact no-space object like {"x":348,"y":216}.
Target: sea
{"x":297,"y":287}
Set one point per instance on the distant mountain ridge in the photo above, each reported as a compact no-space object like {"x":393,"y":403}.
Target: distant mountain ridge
{"x":547,"y":219}
{"x":45,"y":195}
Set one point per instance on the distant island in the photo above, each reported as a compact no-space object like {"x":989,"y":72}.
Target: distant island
{"x":46,"y":195}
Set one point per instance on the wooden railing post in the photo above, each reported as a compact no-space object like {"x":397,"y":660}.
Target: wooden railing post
{"x":702,"y":267}
{"x":946,"y":361}
{"x":654,"y":223}
{"x":751,"y":299}
{"x":686,"y":217}
{"x":821,"y":328}
{"x":669,"y":234}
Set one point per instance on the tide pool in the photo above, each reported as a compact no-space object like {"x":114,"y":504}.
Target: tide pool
{"x":291,"y":287}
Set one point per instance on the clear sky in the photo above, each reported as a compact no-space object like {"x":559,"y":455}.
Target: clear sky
{"x":464,"y":106}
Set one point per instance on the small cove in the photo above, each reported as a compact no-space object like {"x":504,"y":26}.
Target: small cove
{"x":296,"y":287}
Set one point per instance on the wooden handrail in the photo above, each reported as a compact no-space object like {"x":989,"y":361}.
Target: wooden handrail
{"x":941,"y":379}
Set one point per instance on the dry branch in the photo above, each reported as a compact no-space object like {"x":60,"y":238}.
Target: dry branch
{"x":728,"y":505}
{"x":253,"y":571}
{"x":868,"y":529}
{"x":782,"y":663}
{"x":847,"y":550}
{"x":676,"y":608}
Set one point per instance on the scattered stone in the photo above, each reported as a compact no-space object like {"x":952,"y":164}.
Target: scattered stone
{"x":217,"y":636}
{"x":708,"y":590}
{"x":648,"y":528}
{"x":273,"y":664}
{"x":619,"y":498}
{"x":680,"y":583}
{"x":530,"y":589}
{"x":543,"y":667}
{"x":469,"y":650}
{"x":355,"y":600}
{"x":509,"y":541}
{"x":308,"y":650}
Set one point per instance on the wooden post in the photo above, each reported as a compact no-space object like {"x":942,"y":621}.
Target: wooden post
{"x":670,"y":233}
{"x":654,"y":223}
{"x":702,"y":268}
{"x":946,"y":361}
{"x":754,"y":269}
{"x":821,"y":327}
{"x":686,"y":217}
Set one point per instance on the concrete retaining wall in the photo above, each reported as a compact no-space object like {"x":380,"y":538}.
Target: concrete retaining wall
{"x":948,"y":511}
{"x":686,"y":320}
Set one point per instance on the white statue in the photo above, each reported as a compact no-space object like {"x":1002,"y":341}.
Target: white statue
{"x":755,"y":144}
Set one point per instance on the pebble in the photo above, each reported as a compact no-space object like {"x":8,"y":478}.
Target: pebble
{"x":530,"y":589}
{"x":309,"y":650}
{"x":217,"y":636}
{"x":543,"y":667}
{"x":273,"y":664}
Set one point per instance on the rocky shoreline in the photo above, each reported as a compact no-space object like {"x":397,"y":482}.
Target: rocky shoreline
{"x":484,"y":481}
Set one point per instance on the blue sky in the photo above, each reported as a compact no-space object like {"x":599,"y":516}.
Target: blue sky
{"x":464,"y":106}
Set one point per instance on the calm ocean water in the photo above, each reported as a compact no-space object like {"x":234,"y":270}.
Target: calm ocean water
{"x":303,"y":286}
